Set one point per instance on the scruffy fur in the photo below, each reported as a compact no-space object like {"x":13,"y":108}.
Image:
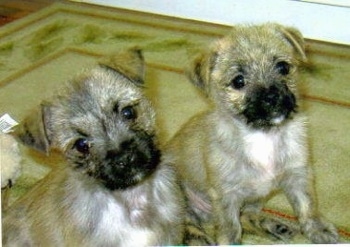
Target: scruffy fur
{"x":253,"y":140}
{"x":113,"y":191}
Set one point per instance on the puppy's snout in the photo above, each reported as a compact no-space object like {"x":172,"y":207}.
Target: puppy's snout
{"x":128,"y":164}
{"x":125,"y":155}
{"x":134,"y":152}
{"x":272,"y":96}
{"x":111,"y":154}
{"x":278,"y":96}
{"x":267,"y":106}
{"x":121,"y":158}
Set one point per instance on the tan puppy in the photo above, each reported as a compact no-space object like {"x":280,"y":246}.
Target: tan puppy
{"x":253,"y":140}
{"x":113,"y":191}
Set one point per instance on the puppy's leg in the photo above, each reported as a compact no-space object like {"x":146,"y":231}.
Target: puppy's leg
{"x":227,"y":213}
{"x":218,"y":226}
{"x":255,"y":222}
{"x":199,"y":217}
{"x":195,"y":233}
{"x":297,"y":187}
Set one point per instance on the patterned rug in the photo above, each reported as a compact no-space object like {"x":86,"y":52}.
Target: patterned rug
{"x":40,"y":52}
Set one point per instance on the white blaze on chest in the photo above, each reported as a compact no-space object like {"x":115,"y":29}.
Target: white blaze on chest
{"x":116,"y":221}
{"x":261,"y":150}
{"x":112,"y":215}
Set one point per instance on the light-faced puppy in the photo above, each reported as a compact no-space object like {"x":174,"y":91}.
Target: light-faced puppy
{"x":112,"y":191}
{"x":253,"y":140}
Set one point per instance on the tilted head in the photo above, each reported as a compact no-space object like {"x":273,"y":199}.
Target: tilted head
{"x":101,"y":122}
{"x":251,"y":73}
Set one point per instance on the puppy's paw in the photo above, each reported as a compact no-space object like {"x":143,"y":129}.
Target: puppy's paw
{"x":196,"y":236}
{"x":278,"y":229}
{"x":320,"y":231}
{"x":233,"y":239}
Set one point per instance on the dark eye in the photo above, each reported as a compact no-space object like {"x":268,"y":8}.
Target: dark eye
{"x":238,"y":82}
{"x":82,"y":146}
{"x":283,"y":67}
{"x":128,"y":113}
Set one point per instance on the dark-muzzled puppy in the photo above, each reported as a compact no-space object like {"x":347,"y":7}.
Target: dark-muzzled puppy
{"x":253,"y":140}
{"x":113,"y":191}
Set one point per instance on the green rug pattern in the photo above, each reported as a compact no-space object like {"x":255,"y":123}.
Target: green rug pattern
{"x":42,"y":51}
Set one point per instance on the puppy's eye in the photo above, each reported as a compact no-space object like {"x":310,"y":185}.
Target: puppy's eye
{"x":129,"y":113}
{"x":283,"y":68}
{"x":82,"y":146}
{"x":238,"y":82}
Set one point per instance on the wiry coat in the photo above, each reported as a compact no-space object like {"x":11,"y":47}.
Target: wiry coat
{"x":112,"y":191}
{"x":66,"y":209}
{"x":253,"y":140}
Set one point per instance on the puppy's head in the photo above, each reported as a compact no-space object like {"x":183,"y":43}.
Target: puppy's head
{"x":251,"y":73}
{"x":102,"y":123}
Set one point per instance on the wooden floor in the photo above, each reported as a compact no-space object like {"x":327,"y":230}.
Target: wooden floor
{"x":11,"y":10}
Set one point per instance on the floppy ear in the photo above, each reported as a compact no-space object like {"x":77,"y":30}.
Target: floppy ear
{"x":129,"y":63}
{"x":201,"y":69}
{"x":295,"y":39}
{"x":33,"y":130}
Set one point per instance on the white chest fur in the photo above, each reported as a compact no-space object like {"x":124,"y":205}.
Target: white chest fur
{"x":261,"y":148}
{"x":113,"y":219}
{"x":115,"y":223}
{"x":261,"y":157}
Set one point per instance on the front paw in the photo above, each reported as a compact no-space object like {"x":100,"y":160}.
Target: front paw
{"x":228,"y":240}
{"x":320,"y":232}
{"x":229,"y":235}
{"x":195,"y":235}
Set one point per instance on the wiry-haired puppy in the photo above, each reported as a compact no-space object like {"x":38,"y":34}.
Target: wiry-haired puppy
{"x":253,"y":140}
{"x":113,"y":191}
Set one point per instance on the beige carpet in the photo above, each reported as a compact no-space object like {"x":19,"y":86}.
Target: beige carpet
{"x":40,"y":52}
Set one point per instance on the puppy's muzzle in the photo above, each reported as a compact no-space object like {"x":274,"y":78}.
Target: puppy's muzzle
{"x":130,"y":164}
{"x":269,"y":106}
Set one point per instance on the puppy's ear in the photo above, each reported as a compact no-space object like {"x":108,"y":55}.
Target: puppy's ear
{"x":295,"y":39}
{"x":33,"y":130}
{"x":130,"y":64}
{"x":201,"y":69}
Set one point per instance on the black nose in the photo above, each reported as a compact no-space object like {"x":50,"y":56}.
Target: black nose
{"x":120,"y":158}
{"x":111,"y":154}
{"x":266,"y":104}
{"x":138,"y":152}
{"x":130,"y":163}
{"x":127,"y":154}
{"x":272,"y":96}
